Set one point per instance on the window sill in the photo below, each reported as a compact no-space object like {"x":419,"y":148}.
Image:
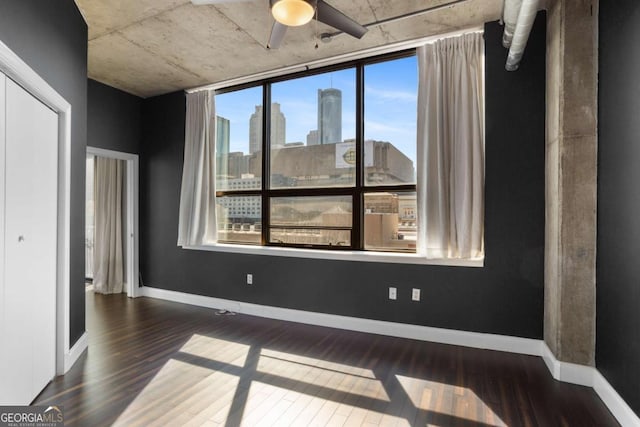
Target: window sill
{"x":384,"y":257}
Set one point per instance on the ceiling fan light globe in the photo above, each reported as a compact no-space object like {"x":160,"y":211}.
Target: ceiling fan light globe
{"x":292,"y":13}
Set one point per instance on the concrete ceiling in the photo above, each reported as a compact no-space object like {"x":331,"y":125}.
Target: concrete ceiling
{"x":151,"y":47}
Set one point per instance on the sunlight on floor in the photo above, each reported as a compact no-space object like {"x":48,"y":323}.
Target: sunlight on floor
{"x":179,"y":394}
{"x":316,"y":372}
{"x":448,"y":399}
{"x":320,"y":363}
{"x":269,"y":405}
{"x":214,"y":382}
{"x":229,"y":352}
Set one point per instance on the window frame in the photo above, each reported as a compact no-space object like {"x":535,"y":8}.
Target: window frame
{"x":357,"y":192}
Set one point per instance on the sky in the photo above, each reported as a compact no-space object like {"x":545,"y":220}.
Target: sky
{"x":390,"y":105}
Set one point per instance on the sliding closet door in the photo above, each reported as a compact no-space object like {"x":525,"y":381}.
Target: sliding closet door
{"x":4,"y":350}
{"x":31,"y":158}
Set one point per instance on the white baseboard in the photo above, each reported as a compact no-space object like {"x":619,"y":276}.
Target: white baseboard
{"x":616,"y":404}
{"x":550,"y":360}
{"x":401,"y":330}
{"x":71,"y":356}
{"x":562,"y":371}
{"x":590,"y":377}
{"x":567,"y":372}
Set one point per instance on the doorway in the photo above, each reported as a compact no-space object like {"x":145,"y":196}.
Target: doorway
{"x":129,"y":220}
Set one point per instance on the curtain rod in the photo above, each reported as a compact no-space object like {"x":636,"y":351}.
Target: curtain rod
{"x":378,"y":50}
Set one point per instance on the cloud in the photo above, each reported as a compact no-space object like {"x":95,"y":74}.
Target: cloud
{"x":377,"y":127}
{"x":390,"y":95}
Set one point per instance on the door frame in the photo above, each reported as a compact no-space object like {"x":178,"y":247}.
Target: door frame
{"x":20,"y":72}
{"x":132,"y":266}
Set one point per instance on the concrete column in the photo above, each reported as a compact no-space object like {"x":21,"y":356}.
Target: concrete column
{"x":571,"y":163}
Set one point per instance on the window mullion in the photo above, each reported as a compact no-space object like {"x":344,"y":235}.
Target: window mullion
{"x":358,"y":198}
{"x":266,"y":164}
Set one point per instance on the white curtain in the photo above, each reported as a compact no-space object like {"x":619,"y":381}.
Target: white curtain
{"x":197,"y":222}
{"x":108,"y":207}
{"x":451,"y":148}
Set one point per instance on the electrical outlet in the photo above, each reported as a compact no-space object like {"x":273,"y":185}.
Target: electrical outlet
{"x":393,"y":293}
{"x":249,"y":279}
{"x":415,"y":294}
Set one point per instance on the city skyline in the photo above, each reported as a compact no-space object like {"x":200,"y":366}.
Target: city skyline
{"x":390,"y":106}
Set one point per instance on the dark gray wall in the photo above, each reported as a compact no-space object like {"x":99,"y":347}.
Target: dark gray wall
{"x":618,"y":270}
{"x":113,"y":118}
{"x":51,"y":36}
{"x":504,"y":297}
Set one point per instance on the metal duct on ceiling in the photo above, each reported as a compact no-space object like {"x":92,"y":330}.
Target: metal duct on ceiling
{"x":517,"y":41}
{"x":510,"y":13}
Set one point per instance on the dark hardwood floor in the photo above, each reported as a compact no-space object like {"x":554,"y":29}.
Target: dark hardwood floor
{"x":152,"y":362}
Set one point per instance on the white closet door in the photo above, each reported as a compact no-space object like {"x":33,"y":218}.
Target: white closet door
{"x":31,"y":158}
{"x":4,"y":349}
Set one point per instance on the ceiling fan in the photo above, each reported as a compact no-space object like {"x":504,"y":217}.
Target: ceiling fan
{"x":294,"y":13}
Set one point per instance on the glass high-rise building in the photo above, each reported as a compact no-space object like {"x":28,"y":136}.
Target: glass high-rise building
{"x":223,"y":136}
{"x":329,"y":116}
{"x":278,"y":128}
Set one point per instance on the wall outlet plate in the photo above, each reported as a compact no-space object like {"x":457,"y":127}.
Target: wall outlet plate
{"x":415,"y":294}
{"x":393,"y":293}
{"x":249,"y":279}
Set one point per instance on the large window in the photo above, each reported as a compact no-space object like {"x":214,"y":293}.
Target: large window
{"x":322,"y":159}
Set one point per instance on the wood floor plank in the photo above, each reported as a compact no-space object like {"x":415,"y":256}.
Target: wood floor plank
{"x":156,"y":363}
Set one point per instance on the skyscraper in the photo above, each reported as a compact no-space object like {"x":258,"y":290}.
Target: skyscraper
{"x":329,"y":116}
{"x":278,"y":128}
{"x":223,"y":134}
{"x":312,"y":137}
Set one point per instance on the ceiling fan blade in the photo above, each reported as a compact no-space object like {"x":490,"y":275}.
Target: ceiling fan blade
{"x":277,"y":34}
{"x":338,"y":20}
{"x":201,"y":2}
